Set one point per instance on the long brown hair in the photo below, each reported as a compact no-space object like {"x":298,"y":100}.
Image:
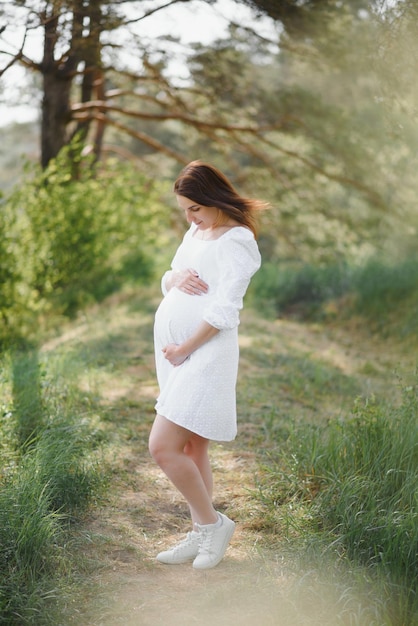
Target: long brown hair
{"x":207,"y":186}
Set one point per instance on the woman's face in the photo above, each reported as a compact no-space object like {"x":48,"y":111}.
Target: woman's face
{"x":203,"y":216}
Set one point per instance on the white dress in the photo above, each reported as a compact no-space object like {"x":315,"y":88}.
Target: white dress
{"x":200,"y":393}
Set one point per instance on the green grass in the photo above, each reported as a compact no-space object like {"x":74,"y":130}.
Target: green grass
{"x":384,"y":292}
{"x":50,"y":476}
{"x":335,"y":486}
{"x":30,"y":533}
{"x":349,"y":488}
{"x":301,"y":289}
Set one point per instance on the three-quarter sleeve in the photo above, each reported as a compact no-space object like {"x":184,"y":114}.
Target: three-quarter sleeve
{"x":238,"y":258}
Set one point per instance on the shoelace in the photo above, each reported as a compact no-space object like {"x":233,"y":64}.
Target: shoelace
{"x":188,"y":539}
{"x":206,"y":540}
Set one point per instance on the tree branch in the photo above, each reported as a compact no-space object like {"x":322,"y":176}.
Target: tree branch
{"x":152,"y":11}
{"x":79,"y":109}
{"x":146,"y":139}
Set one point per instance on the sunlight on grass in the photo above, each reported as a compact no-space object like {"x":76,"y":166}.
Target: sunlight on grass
{"x":97,"y":385}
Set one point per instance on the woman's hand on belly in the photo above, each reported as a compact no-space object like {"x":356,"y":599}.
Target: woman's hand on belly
{"x":187,"y":281}
{"x":174,"y":354}
{"x":177,"y":354}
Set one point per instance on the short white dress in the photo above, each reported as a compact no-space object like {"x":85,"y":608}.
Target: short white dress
{"x":200,"y":394}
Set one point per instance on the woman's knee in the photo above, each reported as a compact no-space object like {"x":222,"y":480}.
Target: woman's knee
{"x":168,"y":440}
{"x":163,"y":447}
{"x":157,"y":448}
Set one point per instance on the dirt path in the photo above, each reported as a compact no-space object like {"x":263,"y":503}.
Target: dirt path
{"x":145,"y":514}
{"x":140,"y":591}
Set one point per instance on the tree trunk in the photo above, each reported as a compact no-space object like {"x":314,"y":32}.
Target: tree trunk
{"x":55,"y":115}
{"x":58,"y":75}
{"x":93,"y":79}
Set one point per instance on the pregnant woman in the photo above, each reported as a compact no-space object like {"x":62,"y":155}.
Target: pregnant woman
{"x":196,"y":350}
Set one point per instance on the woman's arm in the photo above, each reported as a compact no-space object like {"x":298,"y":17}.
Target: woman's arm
{"x":177,"y":354}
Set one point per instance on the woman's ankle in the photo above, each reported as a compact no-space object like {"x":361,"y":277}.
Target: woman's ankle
{"x":213,"y":522}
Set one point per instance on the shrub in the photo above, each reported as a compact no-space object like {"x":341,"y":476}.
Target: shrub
{"x":69,"y":242}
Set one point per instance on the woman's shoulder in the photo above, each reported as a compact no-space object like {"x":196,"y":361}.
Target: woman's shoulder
{"x":238,"y":252}
{"x":239,"y":243}
{"x":238,"y":238}
{"x":238,"y":233}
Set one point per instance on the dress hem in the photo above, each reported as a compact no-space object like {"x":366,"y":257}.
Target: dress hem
{"x":195,"y":431}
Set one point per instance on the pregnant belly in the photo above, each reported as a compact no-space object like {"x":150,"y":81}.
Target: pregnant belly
{"x":179,"y":315}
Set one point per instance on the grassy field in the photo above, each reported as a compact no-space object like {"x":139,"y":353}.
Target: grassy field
{"x":294,"y":378}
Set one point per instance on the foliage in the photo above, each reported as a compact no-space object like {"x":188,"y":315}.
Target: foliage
{"x":336,"y":164}
{"x":10,"y":275}
{"x":319,"y":120}
{"x":69,"y":242}
{"x":302,"y":20}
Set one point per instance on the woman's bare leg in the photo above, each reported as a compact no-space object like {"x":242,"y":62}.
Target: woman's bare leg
{"x":197,"y":448}
{"x":170,"y":447}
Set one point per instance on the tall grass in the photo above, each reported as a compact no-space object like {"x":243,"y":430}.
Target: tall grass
{"x":27,"y":400}
{"x":381,"y":286}
{"x":50,"y":474}
{"x":30,"y":533}
{"x":355,"y":481}
{"x":300,"y":289}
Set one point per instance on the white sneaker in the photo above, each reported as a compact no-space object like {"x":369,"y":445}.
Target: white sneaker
{"x":184,"y":551}
{"x":213,"y":542}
